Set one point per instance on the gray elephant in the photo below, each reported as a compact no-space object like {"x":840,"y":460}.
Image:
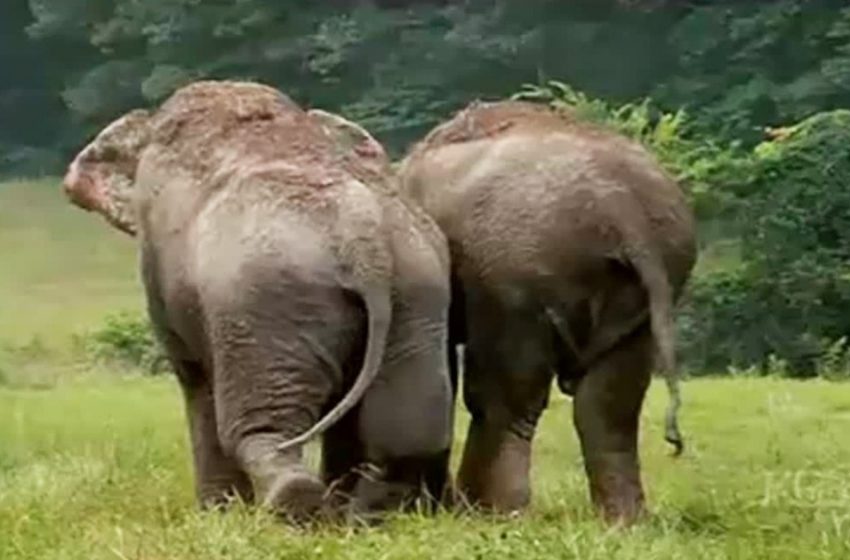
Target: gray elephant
{"x":294,"y":293}
{"x":569,"y":247}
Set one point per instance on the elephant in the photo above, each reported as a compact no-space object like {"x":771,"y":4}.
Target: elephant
{"x":295,"y":293}
{"x":569,"y":248}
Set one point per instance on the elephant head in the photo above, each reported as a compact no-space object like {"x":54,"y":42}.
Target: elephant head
{"x":101,"y":177}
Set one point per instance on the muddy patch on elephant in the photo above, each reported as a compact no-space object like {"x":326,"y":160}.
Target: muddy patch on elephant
{"x":486,"y":120}
{"x":265,"y":125}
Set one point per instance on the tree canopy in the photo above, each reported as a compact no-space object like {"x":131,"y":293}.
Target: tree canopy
{"x":398,"y":66}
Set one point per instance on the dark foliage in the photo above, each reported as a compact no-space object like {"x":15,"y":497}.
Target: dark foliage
{"x":399,"y":66}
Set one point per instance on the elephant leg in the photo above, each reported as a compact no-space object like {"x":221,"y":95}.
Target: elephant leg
{"x":271,"y":386}
{"x":507,"y":381}
{"x":607,"y":409}
{"x":281,"y":481}
{"x":218,"y":478}
{"x":407,"y":415}
{"x":406,"y":424}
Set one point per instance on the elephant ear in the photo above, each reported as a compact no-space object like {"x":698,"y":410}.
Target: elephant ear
{"x":352,"y":138}
{"x":102,"y":176}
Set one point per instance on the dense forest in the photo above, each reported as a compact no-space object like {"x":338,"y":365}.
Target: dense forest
{"x":742,"y":100}
{"x":400,"y":65}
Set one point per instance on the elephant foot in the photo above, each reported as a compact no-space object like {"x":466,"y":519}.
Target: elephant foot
{"x":400,"y":485}
{"x":495,"y":470}
{"x":374,"y":495}
{"x":297,"y":496}
{"x":616,"y":491}
{"x":620,"y":507}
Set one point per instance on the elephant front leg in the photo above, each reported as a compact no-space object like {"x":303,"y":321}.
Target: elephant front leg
{"x":218,"y":478}
{"x":607,"y":410}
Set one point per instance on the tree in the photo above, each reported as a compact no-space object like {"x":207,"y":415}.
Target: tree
{"x":399,"y":66}
{"x":748,"y":65}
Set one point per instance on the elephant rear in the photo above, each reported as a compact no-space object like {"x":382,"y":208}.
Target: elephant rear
{"x":275,"y":279}
{"x":569,"y":247}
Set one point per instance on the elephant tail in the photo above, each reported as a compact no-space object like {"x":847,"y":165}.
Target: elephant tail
{"x":379,"y":311}
{"x":653,"y":275}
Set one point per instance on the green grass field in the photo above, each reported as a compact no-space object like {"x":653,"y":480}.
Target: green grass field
{"x":94,"y":463}
{"x":62,"y":269}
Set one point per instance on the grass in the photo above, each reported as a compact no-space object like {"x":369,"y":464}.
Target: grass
{"x":63,"y":269}
{"x":99,"y":468}
{"x":95,"y":464}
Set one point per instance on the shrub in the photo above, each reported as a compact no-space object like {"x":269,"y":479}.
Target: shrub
{"x":834,"y":362}
{"x":797,"y":239}
{"x":126,"y":340}
{"x":714,"y":324}
{"x":789,"y":299}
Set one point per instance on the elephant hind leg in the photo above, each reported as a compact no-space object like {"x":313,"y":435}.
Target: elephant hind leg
{"x":507,"y":379}
{"x":607,"y":410}
{"x":281,"y":482}
{"x":271,"y":386}
{"x":218,"y":477}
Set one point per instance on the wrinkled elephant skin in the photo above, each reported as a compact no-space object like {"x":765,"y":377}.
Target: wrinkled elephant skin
{"x":295,"y":293}
{"x":569,"y":247}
